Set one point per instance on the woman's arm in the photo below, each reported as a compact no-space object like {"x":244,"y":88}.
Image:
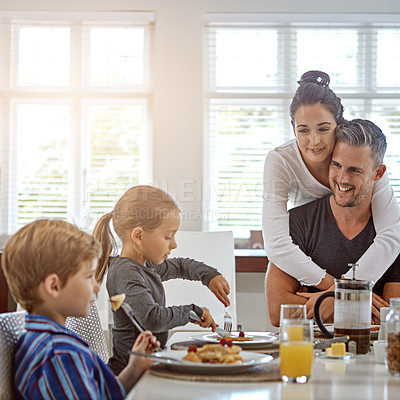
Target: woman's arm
{"x":386,"y":246}
{"x":278,"y":244}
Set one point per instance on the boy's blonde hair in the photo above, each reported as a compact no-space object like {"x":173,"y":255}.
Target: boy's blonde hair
{"x":140,"y":206}
{"x":41,"y":248}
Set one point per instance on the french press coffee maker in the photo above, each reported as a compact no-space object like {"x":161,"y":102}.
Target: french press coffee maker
{"x":352,"y":313}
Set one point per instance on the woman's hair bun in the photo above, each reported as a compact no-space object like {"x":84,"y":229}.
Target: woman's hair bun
{"x":318,"y":77}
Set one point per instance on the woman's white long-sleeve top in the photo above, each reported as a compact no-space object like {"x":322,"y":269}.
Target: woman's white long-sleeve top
{"x":288,"y":183}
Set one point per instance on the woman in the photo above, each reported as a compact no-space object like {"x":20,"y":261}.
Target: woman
{"x":298,"y":172}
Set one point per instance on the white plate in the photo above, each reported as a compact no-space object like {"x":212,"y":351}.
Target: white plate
{"x":250,"y":360}
{"x":330,"y":328}
{"x":258,"y":340}
{"x":328,"y":357}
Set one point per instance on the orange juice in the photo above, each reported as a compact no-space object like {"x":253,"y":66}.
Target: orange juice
{"x":295,"y":333}
{"x":296,"y":359}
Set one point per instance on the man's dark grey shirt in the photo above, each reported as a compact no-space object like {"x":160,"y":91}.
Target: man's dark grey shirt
{"x":313,"y":228}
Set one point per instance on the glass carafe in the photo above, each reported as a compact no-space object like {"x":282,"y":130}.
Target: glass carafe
{"x":352,"y":314}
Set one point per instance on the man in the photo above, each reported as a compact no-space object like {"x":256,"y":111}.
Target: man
{"x":337,"y":229}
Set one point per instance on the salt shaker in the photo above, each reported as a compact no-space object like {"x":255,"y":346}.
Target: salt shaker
{"x":383,"y":327}
{"x":393,"y":337}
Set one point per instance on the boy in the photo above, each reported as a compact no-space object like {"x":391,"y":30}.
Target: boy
{"x":50,"y":268}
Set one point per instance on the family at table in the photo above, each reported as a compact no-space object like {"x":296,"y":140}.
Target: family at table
{"x":344,"y":212}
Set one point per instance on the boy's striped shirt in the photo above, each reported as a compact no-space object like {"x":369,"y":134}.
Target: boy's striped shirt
{"x":51,"y":362}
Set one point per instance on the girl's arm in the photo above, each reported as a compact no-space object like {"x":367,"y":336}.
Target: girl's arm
{"x":277,"y":242}
{"x":149,"y":310}
{"x":386,"y":246}
{"x":186,"y":268}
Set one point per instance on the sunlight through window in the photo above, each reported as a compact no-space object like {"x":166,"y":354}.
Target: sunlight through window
{"x":44,"y":56}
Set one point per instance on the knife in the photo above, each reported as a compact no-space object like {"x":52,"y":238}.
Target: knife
{"x":158,"y":357}
{"x":222,"y":332}
{"x":323,"y":344}
{"x":193,"y":317}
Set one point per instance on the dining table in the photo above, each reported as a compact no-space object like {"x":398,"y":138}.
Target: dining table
{"x":359,"y":377}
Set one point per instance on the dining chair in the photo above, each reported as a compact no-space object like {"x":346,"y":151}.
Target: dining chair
{"x":105,"y":311}
{"x":215,"y":249}
{"x":12,"y":326}
{"x":89,"y":329}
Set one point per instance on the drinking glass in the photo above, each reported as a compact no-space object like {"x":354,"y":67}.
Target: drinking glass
{"x":293,"y":311}
{"x":296,"y":350}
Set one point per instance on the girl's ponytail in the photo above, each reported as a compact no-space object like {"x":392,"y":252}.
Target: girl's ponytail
{"x":103,"y":234}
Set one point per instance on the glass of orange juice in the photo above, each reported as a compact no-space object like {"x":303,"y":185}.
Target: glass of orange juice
{"x":296,"y":350}
{"x":293,"y":311}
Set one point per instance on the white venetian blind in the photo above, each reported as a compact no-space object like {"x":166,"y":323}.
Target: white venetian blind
{"x":74,"y":106}
{"x":253,"y":70}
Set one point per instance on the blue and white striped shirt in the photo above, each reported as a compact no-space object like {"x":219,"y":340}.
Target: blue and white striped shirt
{"x":51,"y":362}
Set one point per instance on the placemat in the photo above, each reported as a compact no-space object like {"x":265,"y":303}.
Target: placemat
{"x":272,"y":347}
{"x":266,"y":373}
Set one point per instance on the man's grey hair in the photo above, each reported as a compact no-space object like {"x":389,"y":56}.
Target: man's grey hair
{"x":363,"y":133}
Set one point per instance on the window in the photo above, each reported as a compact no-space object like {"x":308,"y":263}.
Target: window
{"x":74,"y":110}
{"x":252,"y":73}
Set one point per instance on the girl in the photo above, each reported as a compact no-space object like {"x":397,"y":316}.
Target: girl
{"x":146,"y":220}
{"x":298,"y":171}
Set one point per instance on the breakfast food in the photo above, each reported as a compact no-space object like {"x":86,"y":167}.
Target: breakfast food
{"x":240,"y":338}
{"x":215,"y":354}
{"x":117,"y":300}
{"x":336,"y":349}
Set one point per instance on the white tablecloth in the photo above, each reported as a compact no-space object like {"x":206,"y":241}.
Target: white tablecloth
{"x":358,"y":378}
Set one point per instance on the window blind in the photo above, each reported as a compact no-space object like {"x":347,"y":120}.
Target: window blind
{"x":252,"y":73}
{"x":74,"y":108}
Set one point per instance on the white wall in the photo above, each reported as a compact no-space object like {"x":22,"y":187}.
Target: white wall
{"x":177,"y":104}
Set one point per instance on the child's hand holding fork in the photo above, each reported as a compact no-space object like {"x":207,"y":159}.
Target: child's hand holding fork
{"x":220,"y":287}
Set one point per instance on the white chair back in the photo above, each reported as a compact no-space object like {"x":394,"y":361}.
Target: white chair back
{"x":215,"y":249}
{"x":90,"y":330}
{"x":12,"y":326}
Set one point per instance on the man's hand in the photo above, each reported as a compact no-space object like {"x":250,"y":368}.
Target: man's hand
{"x":325,"y":310}
{"x":220,"y":287}
{"x":377,"y":303}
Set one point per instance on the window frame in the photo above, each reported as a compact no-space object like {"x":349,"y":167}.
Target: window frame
{"x":76,"y":95}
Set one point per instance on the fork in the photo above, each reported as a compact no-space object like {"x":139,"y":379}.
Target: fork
{"x":129,"y":312}
{"x":227,"y":321}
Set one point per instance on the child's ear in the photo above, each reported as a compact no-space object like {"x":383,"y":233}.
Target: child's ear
{"x":52,"y":285}
{"x":137,"y":235}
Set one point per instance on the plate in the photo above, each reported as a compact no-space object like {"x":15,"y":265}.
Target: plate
{"x":330,"y":328}
{"x":266,"y":339}
{"x":250,"y":360}
{"x":328,"y":357}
